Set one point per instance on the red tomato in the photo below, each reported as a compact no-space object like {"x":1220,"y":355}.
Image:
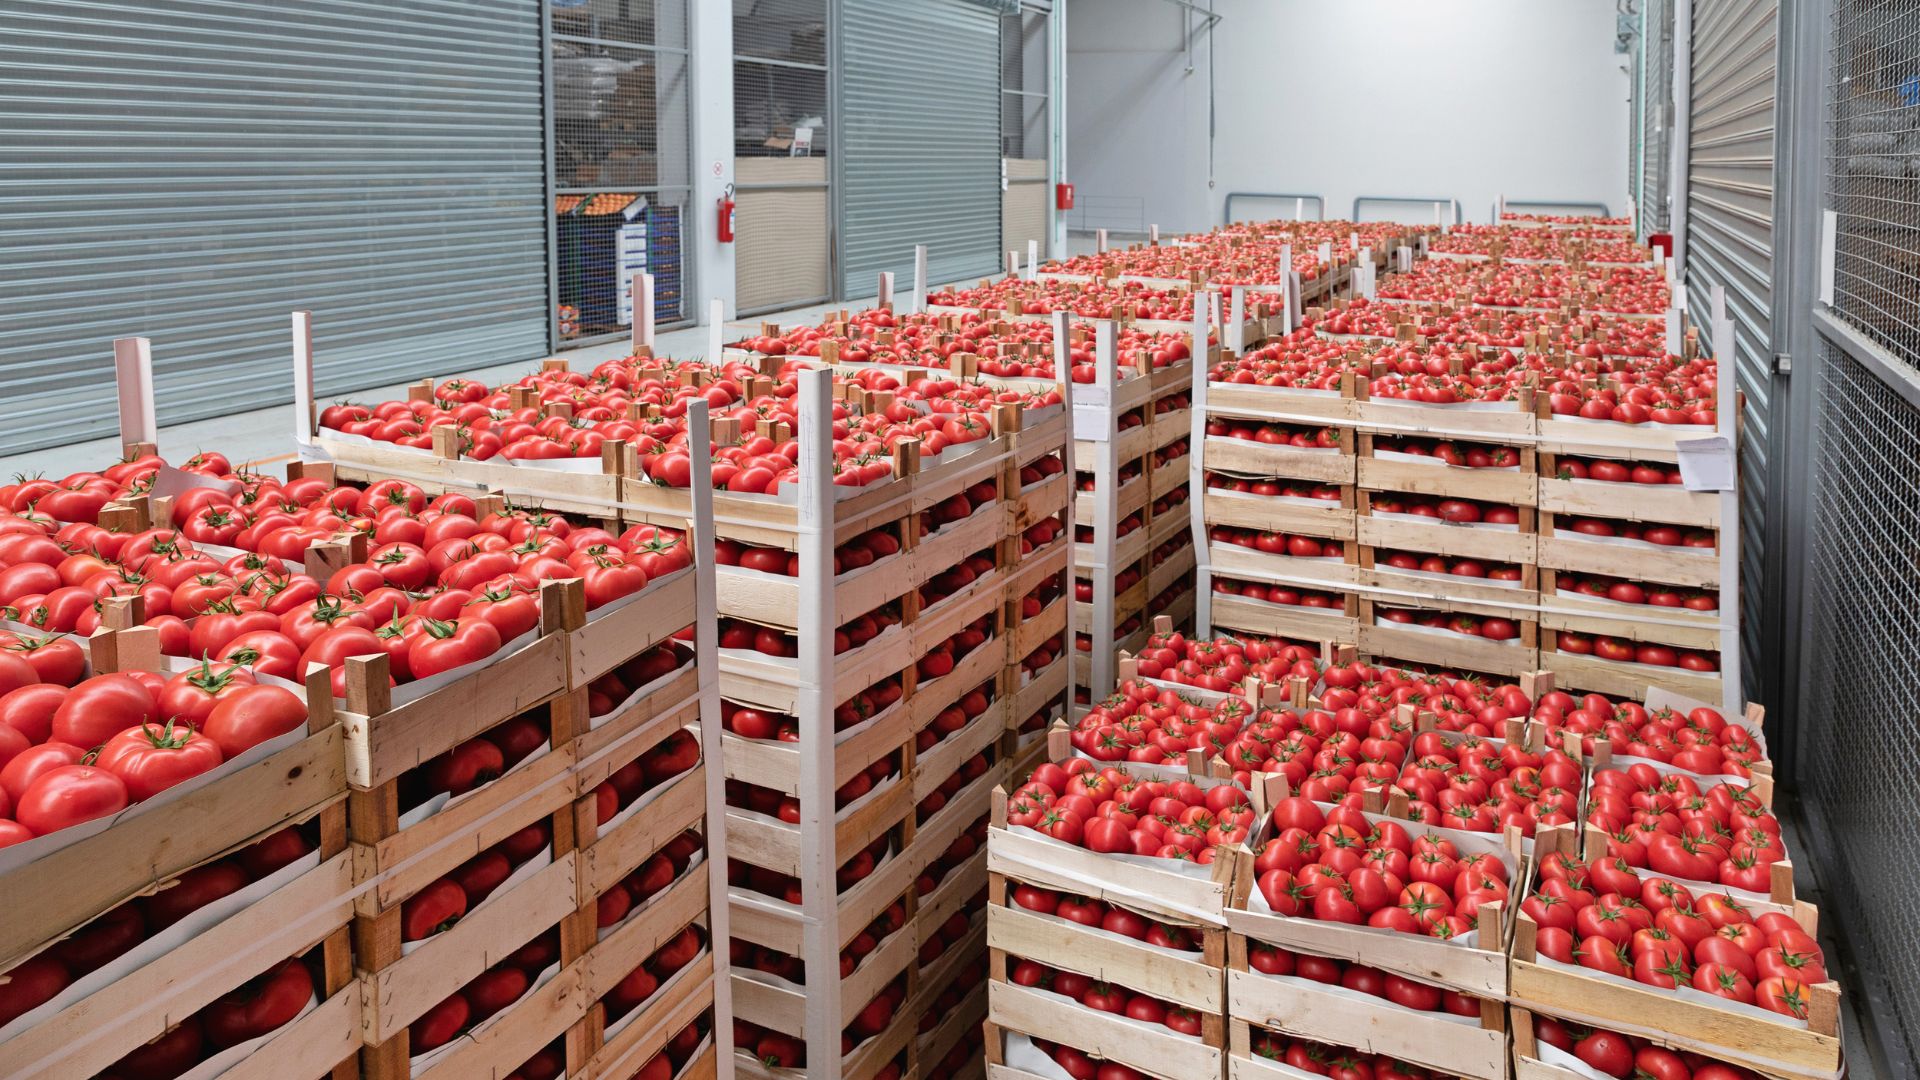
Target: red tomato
{"x":152,"y":758}
{"x":253,"y":715}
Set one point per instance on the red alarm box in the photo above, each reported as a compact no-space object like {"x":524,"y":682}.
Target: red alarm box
{"x":1063,"y":196}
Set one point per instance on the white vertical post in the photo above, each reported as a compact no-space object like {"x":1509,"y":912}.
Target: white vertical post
{"x":1366,"y":270}
{"x":707,"y":668}
{"x":1675,"y":329}
{"x":1062,"y":354}
{"x":1196,"y":473}
{"x":1013,"y":264}
{"x":1727,"y":414}
{"x":1100,"y":241}
{"x":919,"y":278}
{"x":886,"y":289}
{"x":642,"y":311}
{"x":1106,"y":506}
{"x":1236,"y":335}
{"x":1299,"y":209}
{"x":303,"y":414}
{"x":1353,"y":241}
{"x":133,"y":380}
{"x":820,"y":940}
{"x":1153,"y":234}
{"x":1033,"y":259}
{"x":1437,"y":219}
{"x":1326,"y":252}
{"x":1829,"y":247}
{"x":1680,"y":144}
{"x":716,"y":331}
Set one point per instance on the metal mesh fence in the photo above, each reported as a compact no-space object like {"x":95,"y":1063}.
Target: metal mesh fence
{"x":622,"y":162}
{"x":1857,"y":756}
{"x":1874,"y":170}
{"x":780,"y":78}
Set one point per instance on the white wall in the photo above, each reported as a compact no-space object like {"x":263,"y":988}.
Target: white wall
{"x":1468,"y":99}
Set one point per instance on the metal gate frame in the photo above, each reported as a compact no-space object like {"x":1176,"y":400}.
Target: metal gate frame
{"x":1805,"y":328}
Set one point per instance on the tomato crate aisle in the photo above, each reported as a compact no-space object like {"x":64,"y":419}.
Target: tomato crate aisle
{"x":207,"y":930}
{"x":850,"y":927}
{"x":1119,"y":958}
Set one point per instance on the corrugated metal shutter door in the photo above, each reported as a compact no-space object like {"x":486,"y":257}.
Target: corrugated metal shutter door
{"x":193,"y":171}
{"x":920,"y":153}
{"x":1730,"y":231}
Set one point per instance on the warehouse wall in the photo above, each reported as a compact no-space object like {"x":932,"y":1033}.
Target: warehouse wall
{"x":1361,"y":97}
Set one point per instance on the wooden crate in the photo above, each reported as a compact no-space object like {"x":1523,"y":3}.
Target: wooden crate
{"x":1783,"y":1048}
{"x":1478,"y":969}
{"x":1445,"y":649}
{"x":1688,"y":567}
{"x":1530,"y":1063}
{"x":1408,"y":532}
{"x":307,"y":913}
{"x":1307,"y":1009}
{"x":1519,"y":486}
{"x":158,"y":841}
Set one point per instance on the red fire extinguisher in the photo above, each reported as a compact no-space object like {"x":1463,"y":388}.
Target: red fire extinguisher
{"x":726,"y":216}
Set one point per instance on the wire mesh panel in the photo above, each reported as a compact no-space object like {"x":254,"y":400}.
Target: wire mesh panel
{"x":782,"y":257}
{"x":1858,"y":760}
{"x":1025,"y":134}
{"x":1874,"y":171}
{"x":622,"y":161}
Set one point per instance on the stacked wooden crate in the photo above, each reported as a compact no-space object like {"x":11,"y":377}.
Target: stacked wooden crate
{"x":1044,"y":963}
{"x":276,"y":828}
{"x":881,"y":879}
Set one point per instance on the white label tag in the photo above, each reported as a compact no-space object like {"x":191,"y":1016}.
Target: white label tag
{"x":1706,"y":464}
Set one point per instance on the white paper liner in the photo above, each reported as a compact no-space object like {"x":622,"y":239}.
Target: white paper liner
{"x":1299,"y":984}
{"x":1284,"y":500}
{"x":1626,"y":608}
{"x":1318,"y":451}
{"x":234,"y":1055}
{"x":1431,"y":575}
{"x":640,"y":1010}
{"x":642,"y":692}
{"x":443,"y":801}
{"x":639,"y":910}
{"x":1441,"y":631}
{"x":645,"y":800}
{"x":540,"y":861}
{"x":1429,"y":459}
{"x":190,"y":926}
{"x":1070,"y":926}
{"x":1146,"y":900}
{"x":31,"y":851}
{"x":1619,"y":541}
{"x":420,"y":1063}
{"x":1020,"y":1053}
{"x":1422,"y":519}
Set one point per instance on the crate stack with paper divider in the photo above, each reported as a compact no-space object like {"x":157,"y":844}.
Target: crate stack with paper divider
{"x":204,"y":930}
{"x":857,"y":930}
{"x":1103,"y":959}
{"x":1675,"y":990}
{"x":563,"y":909}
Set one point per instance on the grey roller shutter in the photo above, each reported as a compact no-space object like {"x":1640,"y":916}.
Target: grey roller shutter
{"x":192,"y":171}
{"x":1730,"y":233}
{"x":920,"y":130}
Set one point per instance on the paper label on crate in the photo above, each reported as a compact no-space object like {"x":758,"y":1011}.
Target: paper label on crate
{"x":171,"y":483}
{"x":1706,"y":464}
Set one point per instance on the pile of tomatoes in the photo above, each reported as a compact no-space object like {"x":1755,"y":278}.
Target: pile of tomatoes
{"x":1089,"y":300}
{"x":1289,"y":489}
{"x":1617,"y":289}
{"x":1106,"y":810}
{"x":1673,"y":825}
{"x":1628,"y":1057}
{"x":1335,"y":1062}
{"x":1491,"y":628}
{"x":1699,"y":740}
{"x":76,"y":749}
{"x":1149,"y":725}
{"x":1224,"y":663}
{"x":1608,"y":917}
{"x":1337,"y":865}
{"x":1604,"y":246}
